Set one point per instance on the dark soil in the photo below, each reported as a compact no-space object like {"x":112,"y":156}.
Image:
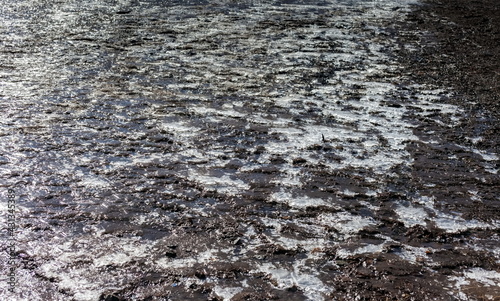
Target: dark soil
{"x":461,"y":50}
{"x":464,"y":52}
{"x":458,"y":47}
{"x":450,"y":44}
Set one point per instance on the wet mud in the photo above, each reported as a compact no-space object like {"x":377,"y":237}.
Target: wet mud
{"x":456,"y":45}
{"x":265,"y":150}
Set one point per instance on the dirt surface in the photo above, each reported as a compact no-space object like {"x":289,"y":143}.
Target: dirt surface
{"x":458,"y":46}
{"x":462,"y":51}
{"x":263,"y":150}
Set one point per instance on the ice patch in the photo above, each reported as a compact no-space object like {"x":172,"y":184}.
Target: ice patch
{"x":314,"y":289}
{"x":207,"y":256}
{"x":413,"y":254}
{"x":226,"y":293}
{"x":94,"y":181}
{"x":344,"y":253}
{"x":209,"y":111}
{"x":486,"y":156}
{"x":68,"y":262}
{"x":297,"y":202}
{"x":181,"y":129}
{"x":490,"y":278}
{"x":485,"y":277}
{"x":452,"y":224}
{"x":411,"y":216}
{"x":224,"y":185}
{"x":427,"y":201}
{"x":346,"y":222}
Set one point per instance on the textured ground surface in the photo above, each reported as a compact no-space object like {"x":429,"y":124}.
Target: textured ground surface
{"x":266,"y":150}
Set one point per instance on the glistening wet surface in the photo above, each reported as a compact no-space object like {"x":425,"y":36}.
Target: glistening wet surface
{"x":265,"y":150}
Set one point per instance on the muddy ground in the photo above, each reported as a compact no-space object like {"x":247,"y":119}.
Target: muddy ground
{"x":264,"y":150}
{"x":460,"y":48}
